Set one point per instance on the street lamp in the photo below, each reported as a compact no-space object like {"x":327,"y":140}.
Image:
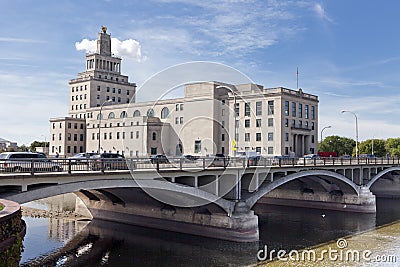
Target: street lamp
{"x":326,"y":127}
{"x":355,"y":116}
{"x":235,"y":117}
{"x":100,"y":117}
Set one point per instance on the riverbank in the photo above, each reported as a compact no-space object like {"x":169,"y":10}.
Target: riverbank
{"x":40,"y":213}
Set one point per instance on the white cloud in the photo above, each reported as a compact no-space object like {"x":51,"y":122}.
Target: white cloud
{"x":128,"y":48}
{"x":320,"y":11}
{"x":20,"y":40}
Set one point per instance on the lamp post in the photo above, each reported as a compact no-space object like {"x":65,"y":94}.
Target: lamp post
{"x":100,"y":117}
{"x":235,"y":117}
{"x":326,"y":127}
{"x":355,"y":116}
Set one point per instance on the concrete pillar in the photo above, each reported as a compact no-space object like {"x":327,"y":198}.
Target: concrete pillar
{"x":294,"y":144}
{"x":302,"y":145}
{"x":216,"y":185}
{"x":196,"y":181}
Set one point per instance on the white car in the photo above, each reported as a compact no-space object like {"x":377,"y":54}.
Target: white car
{"x":26,"y":162}
{"x":310,"y":159}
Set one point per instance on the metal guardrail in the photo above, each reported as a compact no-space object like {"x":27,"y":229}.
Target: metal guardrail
{"x":33,"y":166}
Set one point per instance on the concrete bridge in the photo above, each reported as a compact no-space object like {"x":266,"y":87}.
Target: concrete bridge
{"x":210,"y":201}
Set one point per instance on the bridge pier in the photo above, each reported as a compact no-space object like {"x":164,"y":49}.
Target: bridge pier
{"x":208,"y":221}
{"x":365,"y":202}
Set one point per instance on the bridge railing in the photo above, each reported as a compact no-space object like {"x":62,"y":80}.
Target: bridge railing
{"x":33,"y":166}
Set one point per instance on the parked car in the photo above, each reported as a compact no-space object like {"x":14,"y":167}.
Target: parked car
{"x":310,"y":159}
{"x":190,"y":157}
{"x":22,"y":162}
{"x":160,"y":158}
{"x":108,"y":161}
{"x":83,"y":158}
{"x":367,"y":156}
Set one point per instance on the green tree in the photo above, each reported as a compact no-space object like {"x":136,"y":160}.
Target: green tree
{"x":36,"y":144}
{"x":365,"y":147}
{"x":23,"y":148}
{"x":393,"y":146}
{"x":338,"y":144}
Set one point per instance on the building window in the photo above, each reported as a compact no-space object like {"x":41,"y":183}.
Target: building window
{"x":223,"y":137}
{"x":258,"y":122}
{"x":300,"y":124}
{"x":176,"y":120}
{"x":312,"y":139}
{"x":271,"y":107}
{"x":247,"y":137}
{"x":99,"y":116}
{"x":154,"y":136}
{"x":306,"y":124}
{"x":223,"y":124}
{"x":59,"y":137}
{"x":111,"y":115}
{"x":72,"y":89}
{"x":69,"y":125}
{"x":68,"y":149}
{"x":306,"y":112}
{"x":312,"y":112}
{"x":75,"y":125}
{"x":113,"y":90}
{"x":137,"y":134}
{"x":150,"y":113}
{"x":181,"y":107}
{"x":197,"y":146}
{"x":98,"y":96}
{"x":223,"y":101}
{"x":258,"y":108}
{"x":181,"y":120}
{"x":98,"y":88}
{"x":69,"y":136}
{"x":271,"y":122}
{"x":286,"y":108}
{"x":164,"y":113}
{"x":270,"y":136}
{"x":270,"y":150}
{"x":293,"y":109}
{"x":300,"y":110}
{"x":177,"y":107}
{"x":312,"y":126}
{"x":119,"y":100}
{"x":75,"y":137}
{"x":123,"y":114}
{"x":108,"y":89}
{"x":247,"y":109}
{"x":258,"y":136}
{"x":72,"y":98}
{"x":93,"y":136}
{"x":53,"y":137}
{"x":127,"y":92}
{"x":131,"y":135}
{"x":81,"y":137}
{"x":136,"y":113}
{"x":119,"y":91}
{"x":110,"y":136}
{"x":246,"y":123}
{"x":153,"y":151}
{"x":258,"y":150}
{"x":286,"y":137}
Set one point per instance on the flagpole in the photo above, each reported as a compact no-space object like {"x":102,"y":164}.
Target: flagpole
{"x":297,"y":77}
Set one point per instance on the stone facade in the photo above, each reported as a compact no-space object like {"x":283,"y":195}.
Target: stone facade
{"x":267,"y":121}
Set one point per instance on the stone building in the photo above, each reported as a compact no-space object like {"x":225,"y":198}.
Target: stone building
{"x":211,"y":117}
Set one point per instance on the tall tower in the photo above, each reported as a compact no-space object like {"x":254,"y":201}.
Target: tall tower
{"x":101,"y":81}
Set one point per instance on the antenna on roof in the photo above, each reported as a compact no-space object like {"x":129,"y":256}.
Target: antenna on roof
{"x":297,"y":78}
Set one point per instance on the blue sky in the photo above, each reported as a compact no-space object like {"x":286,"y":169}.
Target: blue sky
{"x":347,"y":52}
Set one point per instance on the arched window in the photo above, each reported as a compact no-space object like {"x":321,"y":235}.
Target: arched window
{"x":150,"y":113}
{"x":154,"y":136}
{"x":111,"y":115}
{"x":164,"y":113}
{"x":123,"y":114}
{"x":99,"y":116}
{"x":136,"y":113}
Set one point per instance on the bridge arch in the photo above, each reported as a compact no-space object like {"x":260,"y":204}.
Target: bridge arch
{"x":59,"y":189}
{"x":380,"y":174}
{"x":268,"y":187}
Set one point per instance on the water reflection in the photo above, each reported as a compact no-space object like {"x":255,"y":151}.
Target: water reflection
{"x":55,"y":241}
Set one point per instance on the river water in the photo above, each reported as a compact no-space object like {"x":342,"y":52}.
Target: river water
{"x":66,"y":242}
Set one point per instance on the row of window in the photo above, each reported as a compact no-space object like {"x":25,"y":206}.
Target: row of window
{"x":78,"y":97}
{"x":69,"y":137}
{"x":297,"y":110}
{"x":69,"y":125}
{"x":75,"y":149}
{"x":122,"y":135}
{"x":111,"y":78}
{"x":113,"y":98}
{"x":270,"y":136}
{"x":108,"y":90}
{"x":300,"y":124}
{"x":258,"y":108}
{"x":136,"y":113}
{"x":76,"y":89}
